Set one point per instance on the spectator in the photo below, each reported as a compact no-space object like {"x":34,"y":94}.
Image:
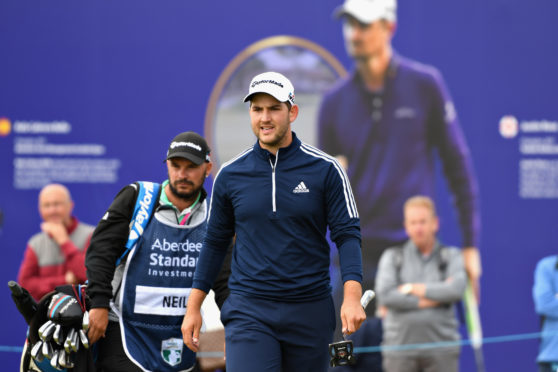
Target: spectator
{"x":545,"y":295}
{"x":417,"y":286}
{"x":56,"y":255}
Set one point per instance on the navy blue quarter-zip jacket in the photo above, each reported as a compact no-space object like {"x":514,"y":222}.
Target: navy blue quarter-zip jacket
{"x":279,"y":207}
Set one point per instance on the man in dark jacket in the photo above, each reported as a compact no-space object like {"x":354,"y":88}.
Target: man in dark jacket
{"x":278,"y":198}
{"x":147,"y":287}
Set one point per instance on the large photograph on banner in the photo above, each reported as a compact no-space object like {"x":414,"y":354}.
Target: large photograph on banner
{"x":92,"y":95}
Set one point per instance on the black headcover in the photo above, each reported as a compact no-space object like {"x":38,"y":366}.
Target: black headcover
{"x":64,"y":309}
{"x":23,"y":300}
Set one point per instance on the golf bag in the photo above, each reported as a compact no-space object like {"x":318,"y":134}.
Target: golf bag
{"x":57,"y":334}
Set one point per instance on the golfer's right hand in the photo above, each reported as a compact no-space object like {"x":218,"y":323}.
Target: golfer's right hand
{"x":98,"y":321}
{"x":191,"y":326}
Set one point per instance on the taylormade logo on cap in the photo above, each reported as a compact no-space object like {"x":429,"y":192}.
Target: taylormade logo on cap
{"x":190,"y":144}
{"x":254,"y":83}
{"x":274,"y":84}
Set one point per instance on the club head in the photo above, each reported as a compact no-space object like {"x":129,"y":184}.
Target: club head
{"x":68,"y":342}
{"x":74,"y":342}
{"x":49,"y":332}
{"x":43,"y":328}
{"x":62,"y":355}
{"x":36,"y":351}
{"x":341,"y":353}
{"x":58,"y":334}
{"x":70,"y":358}
{"x":47,"y":350}
{"x":85,"y":321}
{"x":54,"y":360}
{"x":83,"y":338}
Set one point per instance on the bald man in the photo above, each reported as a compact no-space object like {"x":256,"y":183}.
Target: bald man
{"x":56,"y":255}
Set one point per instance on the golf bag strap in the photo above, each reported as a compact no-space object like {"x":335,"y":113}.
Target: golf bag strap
{"x":148,"y":196}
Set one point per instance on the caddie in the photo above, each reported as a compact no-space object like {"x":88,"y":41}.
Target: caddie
{"x":141,"y":263}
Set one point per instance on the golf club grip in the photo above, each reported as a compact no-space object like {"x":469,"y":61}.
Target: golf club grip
{"x":367,"y":296}
{"x":15,"y":288}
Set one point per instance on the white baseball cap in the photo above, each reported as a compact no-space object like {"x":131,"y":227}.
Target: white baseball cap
{"x":368,"y":11}
{"x":274,"y":84}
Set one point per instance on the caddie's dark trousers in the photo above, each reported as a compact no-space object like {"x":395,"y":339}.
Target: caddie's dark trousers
{"x":111,"y":355}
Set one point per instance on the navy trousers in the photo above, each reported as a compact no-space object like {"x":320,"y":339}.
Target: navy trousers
{"x":263,"y":335}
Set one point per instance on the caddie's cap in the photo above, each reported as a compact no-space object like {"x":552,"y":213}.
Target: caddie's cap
{"x":274,"y":84}
{"x":191,"y":146}
{"x":368,"y":11}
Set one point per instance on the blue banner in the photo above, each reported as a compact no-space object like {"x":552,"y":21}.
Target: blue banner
{"x":92,"y":93}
